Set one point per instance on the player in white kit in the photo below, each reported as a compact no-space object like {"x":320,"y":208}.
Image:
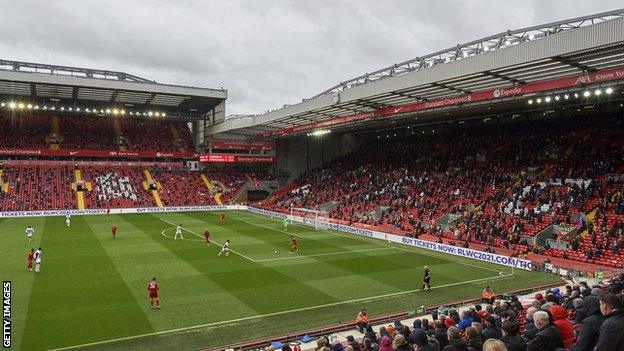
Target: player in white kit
{"x":178,"y":232}
{"x":37,"y":260}
{"x":68,"y":219}
{"x":225,"y":248}
{"x":29,"y":232}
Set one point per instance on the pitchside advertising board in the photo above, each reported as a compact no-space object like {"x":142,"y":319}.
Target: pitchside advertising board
{"x":428,"y":245}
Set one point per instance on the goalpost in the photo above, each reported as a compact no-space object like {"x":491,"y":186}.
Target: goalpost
{"x":315,"y":215}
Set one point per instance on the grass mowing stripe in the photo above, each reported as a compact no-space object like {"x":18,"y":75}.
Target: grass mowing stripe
{"x":15,"y":246}
{"x":303,"y":309}
{"x":411,"y":249}
{"x":236,"y":252}
{"x":77,"y":286}
{"x":322,"y":254}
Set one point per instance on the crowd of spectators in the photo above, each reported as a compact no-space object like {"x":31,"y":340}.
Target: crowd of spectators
{"x":34,"y":130}
{"x":183,"y":189}
{"x":37,"y":188}
{"x":505,"y":183}
{"x":581,"y":318}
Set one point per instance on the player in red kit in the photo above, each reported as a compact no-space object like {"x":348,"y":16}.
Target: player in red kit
{"x":293,"y":245}
{"x":207,"y":236}
{"x":153,"y":293}
{"x":31,"y":257}
{"x":114,"y":230}
{"x":222,"y":217}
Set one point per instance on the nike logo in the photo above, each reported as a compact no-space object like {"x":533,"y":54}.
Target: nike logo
{"x":73,"y":152}
{"x":397,"y":109}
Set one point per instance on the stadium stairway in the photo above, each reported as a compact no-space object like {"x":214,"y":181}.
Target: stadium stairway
{"x":80,"y":199}
{"x":210,"y":187}
{"x":248,"y":176}
{"x":56,"y":129}
{"x":3,"y":185}
{"x":155,"y":194}
{"x":175,"y":134}
{"x":118,"y":132}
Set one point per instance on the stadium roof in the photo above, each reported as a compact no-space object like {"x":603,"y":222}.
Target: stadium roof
{"x":509,"y":59}
{"x":52,"y":85}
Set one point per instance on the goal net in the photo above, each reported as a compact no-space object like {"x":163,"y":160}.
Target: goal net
{"x":313,"y":216}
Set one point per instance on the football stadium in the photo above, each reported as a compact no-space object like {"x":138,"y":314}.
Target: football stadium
{"x":466,"y":199}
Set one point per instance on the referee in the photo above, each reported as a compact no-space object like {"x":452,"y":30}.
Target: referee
{"x":426,"y":280}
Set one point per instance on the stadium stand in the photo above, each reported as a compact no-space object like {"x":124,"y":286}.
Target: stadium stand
{"x":36,"y":188}
{"x":36,"y":130}
{"x":505,"y":183}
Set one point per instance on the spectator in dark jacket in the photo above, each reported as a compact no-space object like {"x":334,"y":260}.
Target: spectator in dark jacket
{"x":491,"y":330}
{"x":611,"y":335}
{"x":529,"y":326}
{"x":548,"y":337}
{"x":473,"y":339}
{"x":370,"y":334}
{"x":455,"y":342}
{"x":440,"y":333}
{"x":590,"y":326}
{"x":422,"y":342}
{"x":511,"y":337}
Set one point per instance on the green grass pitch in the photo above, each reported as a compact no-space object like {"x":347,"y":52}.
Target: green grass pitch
{"x":92,"y":293}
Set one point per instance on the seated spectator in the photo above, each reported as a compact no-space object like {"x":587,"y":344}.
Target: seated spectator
{"x":494,"y":345}
{"x":473,"y":339}
{"x":362,"y":320}
{"x":455,"y":343}
{"x":590,"y":325}
{"x":491,"y":330}
{"x":611,"y":336}
{"x":386,"y":343}
{"x":440,"y":332}
{"x":513,"y":341}
{"x":370,"y":333}
{"x":369,"y":345}
{"x":351,"y":342}
{"x":424,"y":343}
{"x":400,"y":344}
{"x":465,"y":322}
{"x":565,"y":327}
{"x":547,"y":337}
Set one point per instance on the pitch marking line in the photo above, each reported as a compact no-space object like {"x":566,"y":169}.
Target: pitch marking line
{"x":171,"y":237}
{"x":236,"y":252}
{"x":103,"y":342}
{"x":321,"y":254}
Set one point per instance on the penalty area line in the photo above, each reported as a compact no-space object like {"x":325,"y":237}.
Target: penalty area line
{"x":302,"y":309}
{"x":197,"y":235}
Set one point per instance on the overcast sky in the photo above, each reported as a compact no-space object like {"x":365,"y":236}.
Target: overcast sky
{"x":266,"y":53}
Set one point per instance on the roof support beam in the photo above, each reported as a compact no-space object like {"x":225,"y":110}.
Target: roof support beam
{"x":445,"y":86}
{"x":409,"y":96}
{"x":370,"y":104}
{"x":572,"y":63}
{"x":503,"y":77}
